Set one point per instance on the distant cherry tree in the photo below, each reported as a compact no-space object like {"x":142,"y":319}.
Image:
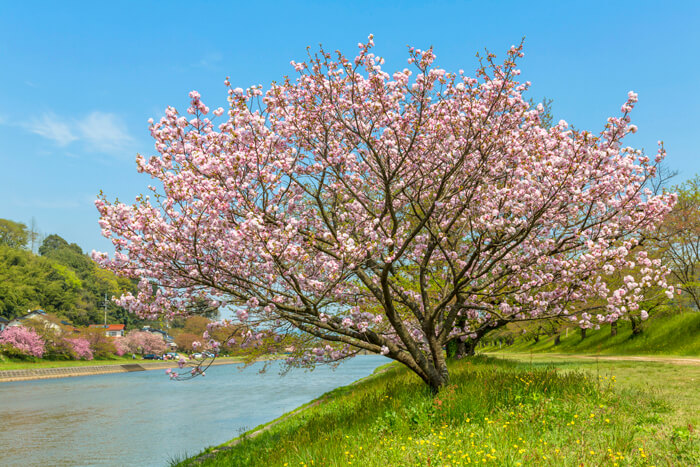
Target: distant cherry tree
{"x":22,"y":340}
{"x":143,"y":342}
{"x":81,"y":348}
{"x":383,"y":212}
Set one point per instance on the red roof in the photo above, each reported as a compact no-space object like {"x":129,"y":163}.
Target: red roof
{"x":109,"y":327}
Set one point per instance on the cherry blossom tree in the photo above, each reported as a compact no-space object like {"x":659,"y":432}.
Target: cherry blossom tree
{"x":143,"y":342}
{"x":121,"y":346}
{"x":386,"y":212}
{"x":22,"y":340}
{"x":81,"y":348}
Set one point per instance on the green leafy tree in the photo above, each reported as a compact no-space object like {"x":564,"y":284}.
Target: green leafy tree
{"x":62,"y":280}
{"x":96,"y":286}
{"x":13,"y":234}
{"x":678,"y":240}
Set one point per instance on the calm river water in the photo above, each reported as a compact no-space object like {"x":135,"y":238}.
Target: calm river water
{"x":143,"y":418}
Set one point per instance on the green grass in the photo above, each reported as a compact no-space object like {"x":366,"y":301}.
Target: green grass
{"x":677,"y":334}
{"x":494,"y":412}
{"x":674,"y":384}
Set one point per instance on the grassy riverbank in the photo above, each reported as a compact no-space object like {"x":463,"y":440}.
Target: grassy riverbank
{"x":11,"y":364}
{"x":674,"y":334}
{"x":495,"y":412}
{"x":29,"y":365}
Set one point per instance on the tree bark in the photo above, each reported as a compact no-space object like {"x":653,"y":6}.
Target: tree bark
{"x":583,"y":333}
{"x":557,"y":339}
{"x":636,"y":326}
{"x":438,"y":379}
{"x":613,"y":329}
{"x":471,"y":347}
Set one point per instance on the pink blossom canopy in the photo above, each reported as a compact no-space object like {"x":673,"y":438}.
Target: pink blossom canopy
{"x":387,"y":212}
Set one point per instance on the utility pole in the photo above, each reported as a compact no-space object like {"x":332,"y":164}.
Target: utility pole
{"x":33,"y":233}
{"x":105,"y":307}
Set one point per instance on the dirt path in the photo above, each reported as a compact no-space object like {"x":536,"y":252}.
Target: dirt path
{"x":639,"y":358}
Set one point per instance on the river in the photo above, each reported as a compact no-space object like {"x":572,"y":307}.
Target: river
{"x":143,"y":418}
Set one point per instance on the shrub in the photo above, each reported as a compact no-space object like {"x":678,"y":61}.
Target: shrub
{"x":58,"y":348}
{"x":101,"y":345}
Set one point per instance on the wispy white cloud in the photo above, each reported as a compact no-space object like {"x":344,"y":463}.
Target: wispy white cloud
{"x":52,"y":127}
{"x":104,"y":131}
{"x":99,"y":131}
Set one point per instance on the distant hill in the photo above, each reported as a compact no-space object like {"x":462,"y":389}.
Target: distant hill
{"x":61,"y":279}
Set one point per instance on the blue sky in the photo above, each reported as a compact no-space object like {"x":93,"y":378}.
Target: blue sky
{"x":79,"y":80}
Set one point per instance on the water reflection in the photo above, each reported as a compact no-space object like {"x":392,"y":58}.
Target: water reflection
{"x":143,"y":418}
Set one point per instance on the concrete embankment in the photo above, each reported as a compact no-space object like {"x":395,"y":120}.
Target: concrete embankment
{"x":66,"y":372}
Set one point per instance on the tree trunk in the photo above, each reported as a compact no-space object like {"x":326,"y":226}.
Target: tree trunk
{"x":557,"y":339}
{"x":583,"y":333}
{"x":439,"y":378}
{"x":636,"y":326}
{"x":470,"y":348}
{"x":613,"y":329}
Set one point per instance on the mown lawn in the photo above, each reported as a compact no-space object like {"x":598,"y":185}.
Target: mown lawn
{"x":495,"y":412}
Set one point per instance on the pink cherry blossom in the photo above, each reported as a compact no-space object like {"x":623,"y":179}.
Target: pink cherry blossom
{"x":81,"y":347}
{"x":22,"y":339}
{"x":388,"y":212}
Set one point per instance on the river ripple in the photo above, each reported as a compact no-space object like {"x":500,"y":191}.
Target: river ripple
{"x":142,"y":418}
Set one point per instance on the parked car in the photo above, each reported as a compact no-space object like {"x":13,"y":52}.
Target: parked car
{"x":152,"y":356}
{"x":172,"y":356}
{"x":196,"y":355}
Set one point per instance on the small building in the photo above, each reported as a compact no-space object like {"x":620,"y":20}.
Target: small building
{"x":166,"y":337}
{"x":33,"y":318}
{"x":111,"y":330}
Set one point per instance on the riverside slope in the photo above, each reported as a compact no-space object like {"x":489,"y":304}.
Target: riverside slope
{"x":67,"y":372}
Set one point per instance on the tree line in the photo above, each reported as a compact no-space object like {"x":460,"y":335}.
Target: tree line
{"x":60,"y":279}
